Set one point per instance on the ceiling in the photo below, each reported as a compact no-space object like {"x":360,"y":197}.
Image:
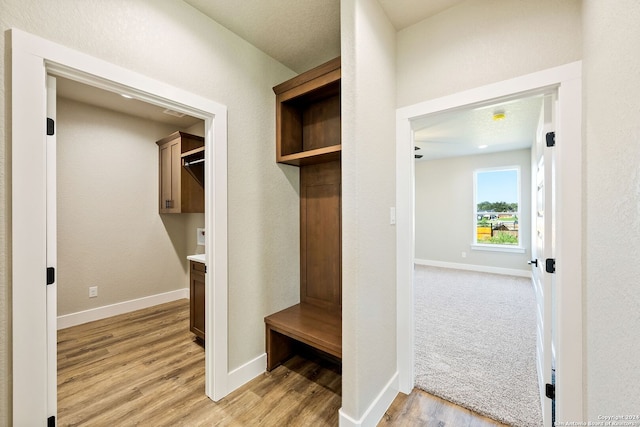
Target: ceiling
{"x":304,"y":34}
{"x":80,"y":92}
{"x":474,"y":130}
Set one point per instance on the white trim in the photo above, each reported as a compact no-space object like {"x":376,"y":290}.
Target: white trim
{"x":472,"y":267}
{"x":245,"y":373}
{"x":377,"y":409}
{"x":567,"y":79}
{"x":31,"y":58}
{"x":497,"y":248}
{"x":104,"y":312}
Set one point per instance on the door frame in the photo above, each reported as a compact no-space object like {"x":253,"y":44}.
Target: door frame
{"x":567,"y":79}
{"x":32,"y":59}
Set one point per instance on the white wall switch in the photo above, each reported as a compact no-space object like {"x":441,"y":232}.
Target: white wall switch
{"x":392,"y":215}
{"x":200,"y":236}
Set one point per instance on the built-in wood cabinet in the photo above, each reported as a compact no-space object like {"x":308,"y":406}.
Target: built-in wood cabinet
{"x":179,"y":191}
{"x":308,"y":124}
{"x":197,"y":271}
{"x":308,"y":135}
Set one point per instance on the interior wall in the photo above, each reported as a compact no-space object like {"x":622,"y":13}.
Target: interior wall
{"x":368,"y":185}
{"x":479,"y":42}
{"x":612,"y":208}
{"x":174,"y":43}
{"x":444,"y":209}
{"x":110,"y":233}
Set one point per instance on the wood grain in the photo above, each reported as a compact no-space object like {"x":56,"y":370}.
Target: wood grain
{"x":321,"y":235}
{"x":144,"y":368}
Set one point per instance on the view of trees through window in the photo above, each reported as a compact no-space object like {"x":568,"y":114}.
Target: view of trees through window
{"x":497,"y":196}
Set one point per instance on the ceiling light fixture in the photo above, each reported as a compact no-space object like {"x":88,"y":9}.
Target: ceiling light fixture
{"x":482,"y":147}
{"x":499,"y":115}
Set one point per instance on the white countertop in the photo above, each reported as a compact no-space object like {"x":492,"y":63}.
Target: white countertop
{"x":196,"y":258}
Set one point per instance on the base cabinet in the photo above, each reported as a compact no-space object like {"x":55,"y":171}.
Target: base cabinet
{"x":196,"y":293}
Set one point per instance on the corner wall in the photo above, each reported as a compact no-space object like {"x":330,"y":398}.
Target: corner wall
{"x":369,"y":375}
{"x":612,"y":209}
{"x":444,"y":210}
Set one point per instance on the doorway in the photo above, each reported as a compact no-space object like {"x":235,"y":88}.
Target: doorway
{"x":33,"y":330}
{"x":567,"y":80}
{"x":474,"y":302}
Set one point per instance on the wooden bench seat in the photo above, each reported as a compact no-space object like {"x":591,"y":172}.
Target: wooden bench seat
{"x":306,"y":323}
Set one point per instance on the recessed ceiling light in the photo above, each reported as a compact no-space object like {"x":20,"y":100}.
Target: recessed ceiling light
{"x":126,"y":96}
{"x":482,"y":147}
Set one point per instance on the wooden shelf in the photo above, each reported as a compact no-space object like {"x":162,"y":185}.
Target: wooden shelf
{"x":317,"y":327}
{"x":308,"y":135}
{"x":308,"y":117}
{"x":319,"y":155}
{"x":193,"y":162}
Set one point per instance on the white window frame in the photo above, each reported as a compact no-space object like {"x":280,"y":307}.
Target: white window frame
{"x":495,"y":247}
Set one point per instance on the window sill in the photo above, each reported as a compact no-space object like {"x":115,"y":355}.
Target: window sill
{"x":497,"y":248}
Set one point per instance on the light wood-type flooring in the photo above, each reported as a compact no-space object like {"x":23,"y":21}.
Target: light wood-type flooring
{"x":144,"y":368}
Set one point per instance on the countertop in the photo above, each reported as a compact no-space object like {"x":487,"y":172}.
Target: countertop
{"x":197,"y":258}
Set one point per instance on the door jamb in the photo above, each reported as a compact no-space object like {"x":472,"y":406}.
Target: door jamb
{"x":32,"y":58}
{"x":568,"y":80}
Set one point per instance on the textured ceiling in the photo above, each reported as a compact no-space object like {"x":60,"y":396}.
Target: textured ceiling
{"x":403,"y":13}
{"x":112,"y":101}
{"x":302,"y":34}
{"x":463,"y":132}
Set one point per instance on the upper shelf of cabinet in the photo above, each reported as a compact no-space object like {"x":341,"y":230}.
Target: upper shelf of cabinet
{"x":308,"y":124}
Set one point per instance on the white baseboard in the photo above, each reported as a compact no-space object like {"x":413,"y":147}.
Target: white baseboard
{"x":472,"y":267}
{"x":74,"y":319}
{"x":376,"y":410}
{"x":245,"y":373}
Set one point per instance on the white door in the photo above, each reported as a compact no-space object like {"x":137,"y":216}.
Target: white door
{"x":543,"y":248}
{"x":52,"y":258}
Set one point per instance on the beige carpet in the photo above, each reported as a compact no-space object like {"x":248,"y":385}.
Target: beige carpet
{"x":475,"y":342}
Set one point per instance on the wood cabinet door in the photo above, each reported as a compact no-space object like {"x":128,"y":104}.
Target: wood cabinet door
{"x":196,"y":288}
{"x":170,"y":170}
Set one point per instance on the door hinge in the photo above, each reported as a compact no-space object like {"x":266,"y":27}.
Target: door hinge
{"x":51,"y":421}
{"x":550,"y":265}
{"x":551,"y":139}
{"x":51,"y":126}
{"x":550,"y":391}
{"x":51,"y":275}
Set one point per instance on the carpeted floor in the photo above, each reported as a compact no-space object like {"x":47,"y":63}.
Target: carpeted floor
{"x":475,"y":342}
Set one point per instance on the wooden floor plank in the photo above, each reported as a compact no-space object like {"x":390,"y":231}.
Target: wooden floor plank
{"x":144,"y":368}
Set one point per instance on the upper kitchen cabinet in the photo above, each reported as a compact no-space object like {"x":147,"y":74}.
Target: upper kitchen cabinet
{"x":308,"y":126}
{"x":180,"y":191}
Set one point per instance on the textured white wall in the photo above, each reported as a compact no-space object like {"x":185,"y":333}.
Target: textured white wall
{"x":444,"y":209}
{"x":479,"y":42}
{"x":612,"y":232}
{"x":172,"y":42}
{"x":110,"y":233}
{"x":368,"y":185}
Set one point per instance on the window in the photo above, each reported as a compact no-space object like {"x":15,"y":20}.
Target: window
{"x":497,"y":208}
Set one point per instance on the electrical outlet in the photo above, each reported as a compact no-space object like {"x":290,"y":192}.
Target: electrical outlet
{"x":464,"y":254}
{"x":93,"y":291}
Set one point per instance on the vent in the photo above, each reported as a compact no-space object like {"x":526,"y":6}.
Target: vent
{"x":173,"y":113}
